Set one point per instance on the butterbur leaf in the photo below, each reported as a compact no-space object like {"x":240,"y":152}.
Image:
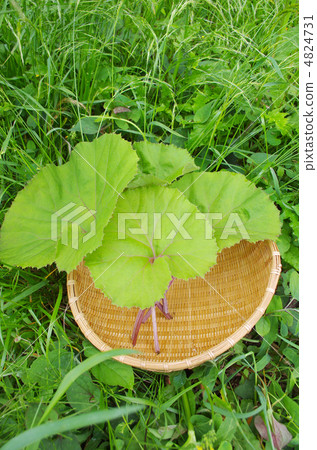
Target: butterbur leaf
{"x":161,"y":164}
{"x":235,"y":207}
{"x":153,"y":235}
{"x":145,"y":179}
{"x":280,"y":434}
{"x":61,"y":214}
{"x":225,"y":445}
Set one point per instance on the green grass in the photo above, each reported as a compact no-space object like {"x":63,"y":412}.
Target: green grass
{"x":219,"y":78}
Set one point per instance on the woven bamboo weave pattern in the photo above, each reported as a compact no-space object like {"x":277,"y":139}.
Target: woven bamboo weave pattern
{"x":209,"y":315}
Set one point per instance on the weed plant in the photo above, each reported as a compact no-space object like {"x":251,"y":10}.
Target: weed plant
{"x":219,"y":78}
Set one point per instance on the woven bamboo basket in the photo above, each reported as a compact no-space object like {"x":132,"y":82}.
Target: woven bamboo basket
{"x":209,"y":314}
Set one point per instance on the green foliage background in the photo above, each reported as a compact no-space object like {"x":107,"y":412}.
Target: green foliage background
{"x":218,"y":78}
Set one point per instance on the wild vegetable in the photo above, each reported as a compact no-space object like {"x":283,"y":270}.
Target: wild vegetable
{"x":140,"y":217}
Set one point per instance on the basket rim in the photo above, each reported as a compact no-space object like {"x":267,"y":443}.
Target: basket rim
{"x":194,"y":361}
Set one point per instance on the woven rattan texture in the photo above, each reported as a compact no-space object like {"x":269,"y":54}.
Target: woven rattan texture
{"x":209,"y":315}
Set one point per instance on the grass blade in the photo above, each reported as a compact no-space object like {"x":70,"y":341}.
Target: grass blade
{"x":70,"y":423}
{"x":25,"y":293}
{"x":83,"y":367}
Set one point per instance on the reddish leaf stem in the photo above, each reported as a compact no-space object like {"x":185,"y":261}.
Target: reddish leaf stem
{"x":161,"y":308}
{"x":156,"y":342}
{"x":147,"y":315}
{"x":144,"y":314}
{"x":164,"y":301}
{"x":137,"y":325}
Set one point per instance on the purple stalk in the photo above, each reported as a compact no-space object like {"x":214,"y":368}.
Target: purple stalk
{"x":164,"y":301}
{"x":137,"y":325}
{"x":165,"y":309}
{"x":161,"y":308}
{"x":156,"y":342}
{"x":147,"y":315}
{"x":144,"y":314}
{"x":164,"y":304}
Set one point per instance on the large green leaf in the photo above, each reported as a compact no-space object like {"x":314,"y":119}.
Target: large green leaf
{"x":144,"y":247}
{"x":245,"y":212}
{"x":161,"y":164}
{"x":61,"y":214}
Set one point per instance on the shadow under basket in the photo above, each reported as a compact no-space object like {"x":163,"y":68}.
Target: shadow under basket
{"x":209,"y":314}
